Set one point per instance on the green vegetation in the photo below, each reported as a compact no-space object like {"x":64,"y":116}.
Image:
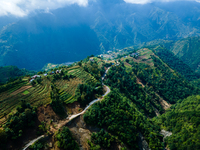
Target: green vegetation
{"x":10,"y":73}
{"x":175,"y":63}
{"x":168,"y":84}
{"x":102,"y":138}
{"x":122,"y":119}
{"x":18,"y":122}
{"x":93,"y":69}
{"x":40,"y":94}
{"x":37,"y":145}
{"x":9,"y":86}
{"x":188,"y":50}
{"x":125,"y":81}
{"x":56,"y":103}
{"x":65,"y":140}
{"x":84,"y":94}
{"x":26,"y":92}
{"x":183,"y":120}
{"x":138,"y":88}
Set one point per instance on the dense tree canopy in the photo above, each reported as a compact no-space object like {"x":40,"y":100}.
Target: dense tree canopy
{"x":175,"y":63}
{"x":183,"y":120}
{"x":16,"y":123}
{"x":65,"y":140}
{"x":122,"y":119}
{"x":167,"y":83}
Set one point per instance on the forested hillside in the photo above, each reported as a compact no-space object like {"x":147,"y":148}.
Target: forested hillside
{"x":183,"y":121}
{"x":188,"y":51}
{"x":122,"y":119}
{"x":132,"y":97}
{"x":157,"y":80}
{"x":176,"y":63}
{"x":10,"y":73}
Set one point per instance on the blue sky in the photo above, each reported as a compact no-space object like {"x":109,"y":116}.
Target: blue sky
{"x":21,"y":8}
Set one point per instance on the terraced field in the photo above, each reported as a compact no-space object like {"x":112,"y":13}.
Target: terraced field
{"x":35,"y":95}
{"x":40,"y":93}
{"x":68,"y":88}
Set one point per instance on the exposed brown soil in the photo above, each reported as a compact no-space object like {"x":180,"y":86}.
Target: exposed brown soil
{"x":20,"y":90}
{"x":81,"y":132}
{"x":165,"y":105}
{"x":74,"y":108}
{"x":127,"y":64}
{"x":138,"y":81}
{"x":140,"y":60}
{"x":70,"y":71}
{"x":47,"y":114}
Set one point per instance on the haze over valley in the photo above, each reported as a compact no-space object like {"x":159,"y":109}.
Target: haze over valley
{"x":74,"y":31}
{"x":99,"y":75}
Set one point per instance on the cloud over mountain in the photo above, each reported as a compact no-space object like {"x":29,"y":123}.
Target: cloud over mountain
{"x":23,"y":7}
{"x":150,"y":1}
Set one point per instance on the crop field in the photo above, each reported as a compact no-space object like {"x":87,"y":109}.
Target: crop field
{"x":144,"y":57}
{"x":68,"y":88}
{"x":40,"y":93}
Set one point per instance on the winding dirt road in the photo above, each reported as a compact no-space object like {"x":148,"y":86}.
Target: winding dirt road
{"x":74,"y":116}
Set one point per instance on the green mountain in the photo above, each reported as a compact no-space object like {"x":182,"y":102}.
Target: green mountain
{"x":72,"y":33}
{"x":183,"y":120}
{"x":188,"y":50}
{"x":9,"y":73}
{"x":146,"y":92}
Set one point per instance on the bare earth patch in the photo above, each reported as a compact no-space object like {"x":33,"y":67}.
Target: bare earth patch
{"x":127,"y":64}
{"x":165,"y":105}
{"x":47,"y":114}
{"x":138,"y":81}
{"x":74,"y":108}
{"x":21,"y":90}
{"x":71,"y":71}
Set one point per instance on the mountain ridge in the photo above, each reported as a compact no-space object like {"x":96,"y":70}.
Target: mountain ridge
{"x":112,"y":25}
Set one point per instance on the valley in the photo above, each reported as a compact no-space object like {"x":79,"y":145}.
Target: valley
{"x":101,"y":26}
{"x":99,"y":75}
{"x":140,"y":91}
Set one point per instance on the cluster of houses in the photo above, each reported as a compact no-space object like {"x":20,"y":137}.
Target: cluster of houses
{"x":38,"y":76}
{"x":91,"y":59}
{"x":34,"y":77}
{"x":135,"y":54}
{"x":54,"y":72}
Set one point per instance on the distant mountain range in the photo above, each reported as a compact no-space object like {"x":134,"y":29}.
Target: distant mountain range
{"x":73,"y":32}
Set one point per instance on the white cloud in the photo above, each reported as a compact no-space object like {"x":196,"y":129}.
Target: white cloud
{"x":150,"y":1}
{"x":23,"y":7}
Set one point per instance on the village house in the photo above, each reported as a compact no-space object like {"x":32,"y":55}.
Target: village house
{"x":91,"y":59}
{"x":134,"y":54}
{"x":52,"y":72}
{"x":57,"y":71}
{"x":34,"y":77}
